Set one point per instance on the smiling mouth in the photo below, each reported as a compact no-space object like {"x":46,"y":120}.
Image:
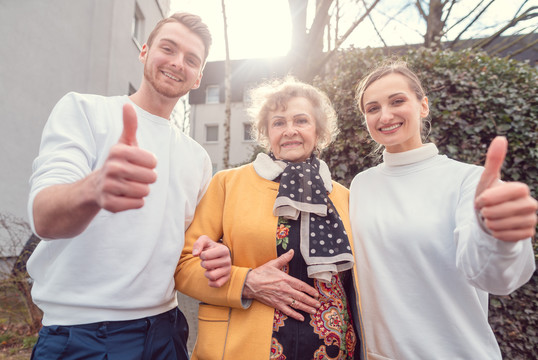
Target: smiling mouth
{"x":291,"y":144}
{"x":170,"y":76}
{"x":391,"y":127}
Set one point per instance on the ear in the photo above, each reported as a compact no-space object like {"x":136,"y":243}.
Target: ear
{"x":424,"y":108}
{"x":143,"y":54}
{"x":198,"y":81}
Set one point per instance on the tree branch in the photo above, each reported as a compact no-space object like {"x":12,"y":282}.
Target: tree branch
{"x":526,"y":15}
{"x":471,"y":22}
{"x":421,"y":10}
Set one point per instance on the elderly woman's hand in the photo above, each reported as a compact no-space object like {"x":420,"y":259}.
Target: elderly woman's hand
{"x":270,"y":285}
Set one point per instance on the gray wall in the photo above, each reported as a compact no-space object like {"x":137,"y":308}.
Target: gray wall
{"x":48,"y":49}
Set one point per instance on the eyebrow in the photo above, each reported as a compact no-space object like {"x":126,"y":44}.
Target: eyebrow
{"x":390,"y":97}
{"x":294,"y":116}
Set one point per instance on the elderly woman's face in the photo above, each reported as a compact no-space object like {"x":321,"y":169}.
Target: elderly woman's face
{"x":292,"y":132}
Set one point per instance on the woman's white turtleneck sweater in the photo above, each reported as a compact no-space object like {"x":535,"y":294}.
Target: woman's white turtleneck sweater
{"x":425,"y":266}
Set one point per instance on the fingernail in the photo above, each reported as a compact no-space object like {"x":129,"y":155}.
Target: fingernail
{"x":313,"y":312}
{"x":195,"y":252}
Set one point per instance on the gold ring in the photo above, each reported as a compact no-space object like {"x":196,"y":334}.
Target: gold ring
{"x":292,"y":303}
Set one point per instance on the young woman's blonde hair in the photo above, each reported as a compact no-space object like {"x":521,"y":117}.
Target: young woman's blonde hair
{"x":274,"y":95}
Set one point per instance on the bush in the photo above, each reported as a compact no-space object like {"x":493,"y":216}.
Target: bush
{"x":473,"y":98}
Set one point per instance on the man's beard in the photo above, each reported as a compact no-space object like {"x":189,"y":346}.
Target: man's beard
{"x":169,"y":92}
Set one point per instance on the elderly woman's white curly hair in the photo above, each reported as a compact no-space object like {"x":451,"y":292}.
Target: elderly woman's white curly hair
{"x":275,"y":95}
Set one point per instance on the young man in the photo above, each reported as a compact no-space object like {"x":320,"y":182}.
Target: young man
{"x":112,"y":200}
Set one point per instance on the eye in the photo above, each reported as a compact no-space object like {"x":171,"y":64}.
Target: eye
{"x":372,"y":109}
{"x":398,"y":101}
{"x":277,"y":123}
{"x":166,"y":49}
{"x":302,"y":121}
{"x":193,"y":62}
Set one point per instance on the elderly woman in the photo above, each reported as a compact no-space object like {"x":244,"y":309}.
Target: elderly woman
{"x":292,"y":293}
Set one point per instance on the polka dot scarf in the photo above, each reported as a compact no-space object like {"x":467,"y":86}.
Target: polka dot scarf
{"x":323,"y":240}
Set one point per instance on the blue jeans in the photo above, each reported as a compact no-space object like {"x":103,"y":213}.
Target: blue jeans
{"x":159,"y":337}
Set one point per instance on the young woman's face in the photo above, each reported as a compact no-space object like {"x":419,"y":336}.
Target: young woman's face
{"x":292,"y":132}
{"x":394,"y":114}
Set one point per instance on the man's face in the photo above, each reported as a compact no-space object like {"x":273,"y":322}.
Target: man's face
{"x":173,"y":64}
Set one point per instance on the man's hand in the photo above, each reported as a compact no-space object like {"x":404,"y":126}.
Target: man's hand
{"x":215,"y":258}
{"x":508,"y":210}
{"x":123,"y":181}
{"x":275,"y":288}
{"x":65,"y":210}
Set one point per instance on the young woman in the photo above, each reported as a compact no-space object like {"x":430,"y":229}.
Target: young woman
{"x":433,"y":236}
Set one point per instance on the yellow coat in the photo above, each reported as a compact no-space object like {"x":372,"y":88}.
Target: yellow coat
{"x":237,"y":208}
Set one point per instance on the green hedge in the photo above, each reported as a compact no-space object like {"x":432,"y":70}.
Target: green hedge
{"x":473,"y":98}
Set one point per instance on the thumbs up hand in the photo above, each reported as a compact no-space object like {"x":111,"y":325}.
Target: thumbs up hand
{"x":507,"y":209}
{"x":123,"y":181}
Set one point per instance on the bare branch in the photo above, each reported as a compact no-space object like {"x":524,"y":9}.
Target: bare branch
{"x":452,"y":3}
{"x":320,"y":19}
{"x":394,"y":18}
{"x":526,"y":15}
{"x":323,"y":60}
{"x":509,"y":43}
{"x":375,"y":28}
{"x":464,"y":17}
{"x":421,"y":10}
{"x":521,"y":7}
{"x":528,"y":46}
{"x":472,"y":22}
{"x":354,"y":25}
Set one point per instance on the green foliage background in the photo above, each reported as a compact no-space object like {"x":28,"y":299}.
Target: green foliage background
{"x":473,"y":98}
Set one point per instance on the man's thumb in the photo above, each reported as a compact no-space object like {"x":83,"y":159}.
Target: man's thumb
{"x":130,"y":124}
{"x":494,"y":162}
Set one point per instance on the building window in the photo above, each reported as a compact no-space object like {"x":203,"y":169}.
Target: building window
{"x":138,"y":27}
{"x":212,"y":94}
{"x":247,"y":128}
{"x":246,"y":92}
{"x":211,"y":133}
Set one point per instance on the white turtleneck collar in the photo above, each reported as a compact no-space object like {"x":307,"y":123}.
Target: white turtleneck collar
{"x":424,"y":152}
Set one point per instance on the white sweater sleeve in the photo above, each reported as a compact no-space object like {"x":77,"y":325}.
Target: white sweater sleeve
{"x":67,"y":152}
{"x":495,"y":266}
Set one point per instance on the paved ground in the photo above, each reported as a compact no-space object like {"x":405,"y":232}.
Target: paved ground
{"x":189,"y":307}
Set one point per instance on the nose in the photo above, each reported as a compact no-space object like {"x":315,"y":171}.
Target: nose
{"x":290,"y":130}
{"x":386,"y":115}
{"x":178,"y":60}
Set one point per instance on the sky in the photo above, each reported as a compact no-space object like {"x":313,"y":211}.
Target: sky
{"x":262,"y":28}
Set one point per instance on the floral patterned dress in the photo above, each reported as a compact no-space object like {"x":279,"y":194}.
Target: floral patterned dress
{"x":329,"y":334}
